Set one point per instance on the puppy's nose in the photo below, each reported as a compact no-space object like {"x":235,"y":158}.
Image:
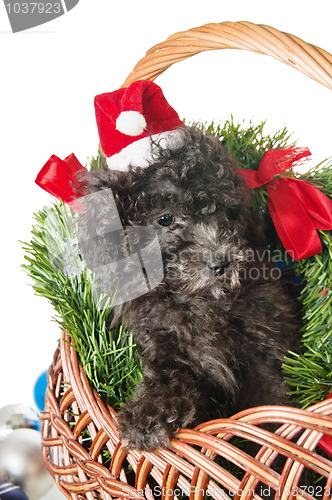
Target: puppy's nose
{"x":218,"y":267}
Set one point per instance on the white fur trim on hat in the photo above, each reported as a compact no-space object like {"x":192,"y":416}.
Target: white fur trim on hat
{"x":140,"y":153}
{"x":131,"y":123}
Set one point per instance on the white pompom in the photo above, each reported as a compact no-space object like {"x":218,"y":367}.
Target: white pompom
{"x":131,"y":123}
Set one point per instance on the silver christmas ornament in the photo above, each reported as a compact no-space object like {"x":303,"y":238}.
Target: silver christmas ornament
{"x":22,"y":463}
{"x":17,"y":416}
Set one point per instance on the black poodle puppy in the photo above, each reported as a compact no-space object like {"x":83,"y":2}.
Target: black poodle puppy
{"x":219,"y":322}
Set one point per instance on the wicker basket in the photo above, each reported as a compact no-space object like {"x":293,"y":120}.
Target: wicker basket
{"x":199,"y":460}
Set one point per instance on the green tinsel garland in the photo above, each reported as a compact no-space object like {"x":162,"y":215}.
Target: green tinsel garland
{"x":109,"y":356}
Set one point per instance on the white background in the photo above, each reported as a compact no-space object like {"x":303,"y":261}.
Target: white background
{"x":49,"y":77}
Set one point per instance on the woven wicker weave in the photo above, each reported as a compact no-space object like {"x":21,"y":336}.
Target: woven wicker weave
{"x":199,"y":460}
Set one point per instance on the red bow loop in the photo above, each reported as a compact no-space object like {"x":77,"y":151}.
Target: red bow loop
{"x":274,"y":162}
{"x":295,"y":227}
{"x":58,"y":177}
{"x":297,"y":208}
{"x":318,"y":205}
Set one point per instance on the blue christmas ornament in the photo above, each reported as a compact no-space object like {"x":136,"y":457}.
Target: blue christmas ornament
{"x":39,"y":391}
{"x":9,"y":491}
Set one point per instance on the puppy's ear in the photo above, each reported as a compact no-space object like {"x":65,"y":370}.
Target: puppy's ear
{"x":216,"y":187}
{"x":210,"y":174}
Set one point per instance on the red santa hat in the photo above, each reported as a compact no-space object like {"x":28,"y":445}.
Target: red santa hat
{"x":131,"y":120}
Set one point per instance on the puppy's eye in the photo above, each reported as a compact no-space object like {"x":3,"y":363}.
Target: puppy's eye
{"x":166,"y":220}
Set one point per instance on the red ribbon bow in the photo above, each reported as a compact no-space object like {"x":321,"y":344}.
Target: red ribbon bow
{"x":58,"y":177}
{"x":297,"y":208}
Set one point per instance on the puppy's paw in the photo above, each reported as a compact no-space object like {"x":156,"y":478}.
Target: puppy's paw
{"x":141,"y":430}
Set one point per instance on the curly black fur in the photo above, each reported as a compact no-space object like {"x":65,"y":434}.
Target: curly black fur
{"x":208,"y":328}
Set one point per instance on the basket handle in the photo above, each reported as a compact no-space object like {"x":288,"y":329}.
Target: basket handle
{"x":289,"y":49}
